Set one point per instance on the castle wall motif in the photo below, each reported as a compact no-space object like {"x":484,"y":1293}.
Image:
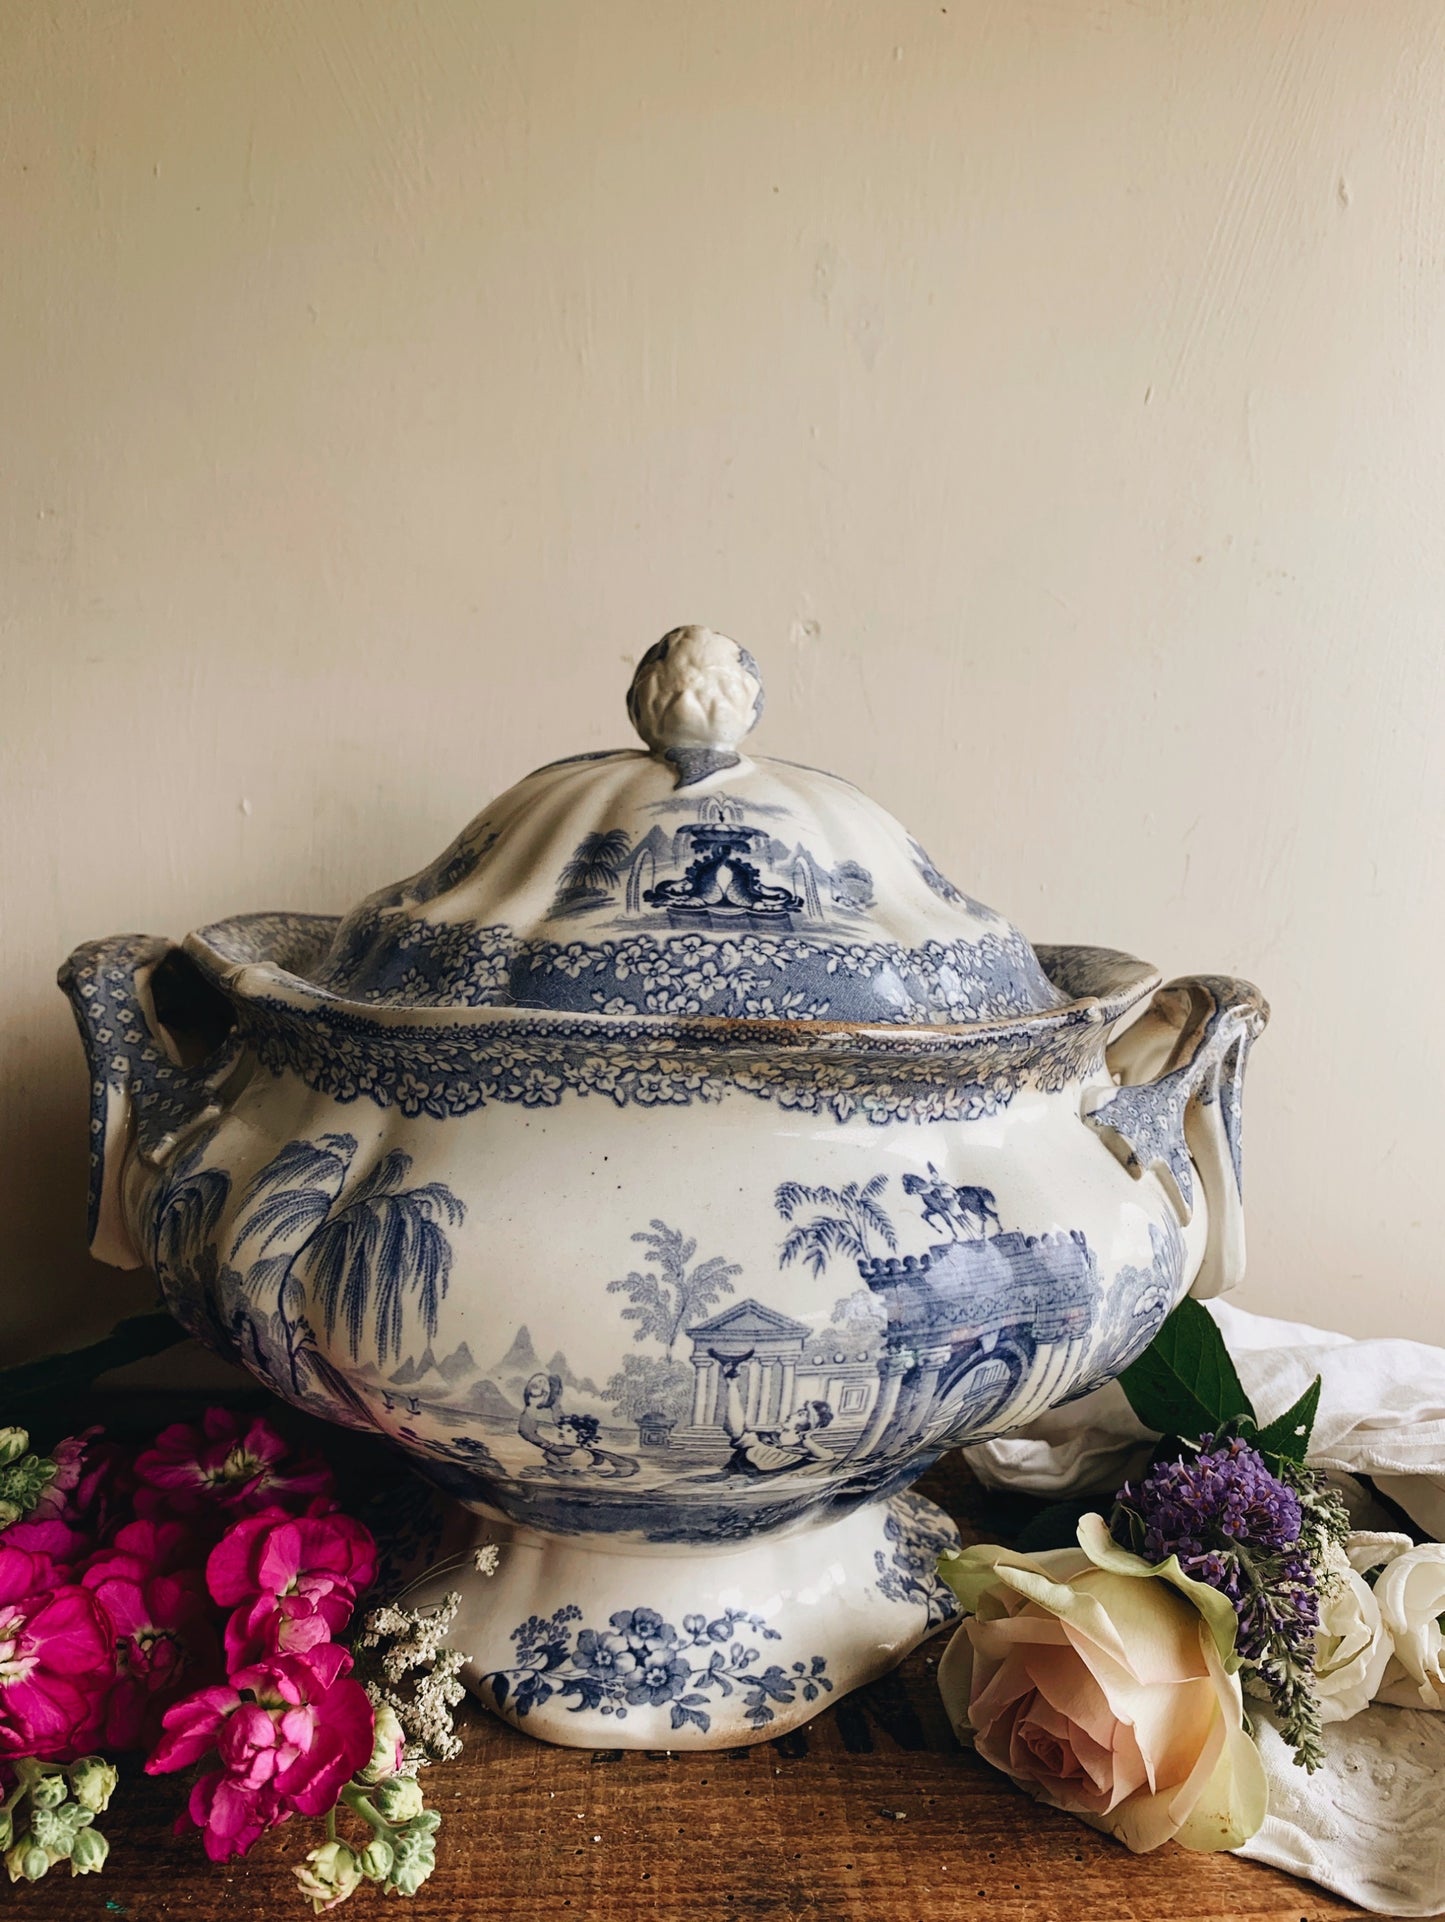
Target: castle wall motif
{"x":971,"y":1324}
{"x":974,"y":1323}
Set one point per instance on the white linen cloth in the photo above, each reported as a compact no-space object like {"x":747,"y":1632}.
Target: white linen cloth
{"x":1370,"y":1823}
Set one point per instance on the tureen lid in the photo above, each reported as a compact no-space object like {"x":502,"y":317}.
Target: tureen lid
{"x":688,"y":878}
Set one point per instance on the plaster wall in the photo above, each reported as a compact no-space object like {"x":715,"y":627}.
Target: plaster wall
{"x":1051,"y":393}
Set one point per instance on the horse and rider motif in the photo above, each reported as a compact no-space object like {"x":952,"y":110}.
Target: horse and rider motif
{"x":963,"y":1214}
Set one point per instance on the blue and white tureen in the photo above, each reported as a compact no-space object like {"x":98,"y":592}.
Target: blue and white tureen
{"x":673,"y":1169}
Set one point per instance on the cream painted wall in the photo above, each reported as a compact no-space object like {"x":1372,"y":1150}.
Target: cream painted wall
{"x":1051,"y":393}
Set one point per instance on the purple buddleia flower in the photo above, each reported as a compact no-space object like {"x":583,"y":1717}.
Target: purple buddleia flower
{"x":1259,"y":1540}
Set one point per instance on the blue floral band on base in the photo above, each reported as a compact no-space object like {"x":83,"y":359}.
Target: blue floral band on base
{"x":638,"y":1660}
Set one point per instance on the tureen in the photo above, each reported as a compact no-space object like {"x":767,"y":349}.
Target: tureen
{"x":674,"y":1168}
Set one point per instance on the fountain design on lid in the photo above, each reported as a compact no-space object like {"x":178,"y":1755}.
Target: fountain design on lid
{"x":688,"y":878}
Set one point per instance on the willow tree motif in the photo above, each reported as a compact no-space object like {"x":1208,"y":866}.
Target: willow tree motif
{"x":595,"y":867}
{"x":360,"y":1259}
{"x":846,"y":1221}
{"x":183,"y":1246}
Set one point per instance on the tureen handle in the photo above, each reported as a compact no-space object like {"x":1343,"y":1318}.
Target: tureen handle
{"x":1177,"y":1112}
{"x":158,"y":1042}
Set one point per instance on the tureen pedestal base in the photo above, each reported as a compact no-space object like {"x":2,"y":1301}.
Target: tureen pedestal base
{"x":594,"y":1644}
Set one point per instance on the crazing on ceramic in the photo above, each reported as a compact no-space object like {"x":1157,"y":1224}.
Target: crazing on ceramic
{"x":674,"y":1169}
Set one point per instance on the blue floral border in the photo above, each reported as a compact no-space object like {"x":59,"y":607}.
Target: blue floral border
{"x":386,"y":956}
{"x":451,"y":1071}
{"x":640,"y":1661}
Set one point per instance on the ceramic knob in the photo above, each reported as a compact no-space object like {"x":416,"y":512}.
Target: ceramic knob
{"x":695,"y":695}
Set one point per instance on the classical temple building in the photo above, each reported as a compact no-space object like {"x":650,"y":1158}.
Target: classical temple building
{"x":788,"y":1364}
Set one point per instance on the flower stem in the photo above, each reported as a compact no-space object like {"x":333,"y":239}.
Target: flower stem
{"x":355,"y":1799}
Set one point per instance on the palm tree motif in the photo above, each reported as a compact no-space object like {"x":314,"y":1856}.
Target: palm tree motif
{"x":663,"y":1303}
{"x":595,"y":867}
{"x":359,"y":1259}
{"x":183,"y":1247}
{"x":849,"y":1221}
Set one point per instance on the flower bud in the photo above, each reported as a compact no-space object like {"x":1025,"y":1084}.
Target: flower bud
{"x":376,"y":1859}
{"x":48,"y":1792}
{"x":415,"y":1859}
{"x":388,"y":1746}
{"x":88,"y":1852}
{"x":92,"y":1782}
{"x":56,"y":1829}
{"x":10,"y":1512}
{"x":328,"y":1875}
{"x":13,"y":1444}
{"x":27,"y":1861}
{"x":399,"y":1799}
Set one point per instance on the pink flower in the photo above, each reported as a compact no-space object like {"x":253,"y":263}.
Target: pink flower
{"x":318,"y":1563}
{"x":277,"y":1625}
{"x":1098,"y":1681}
{"x":64,"y":1494}
{"x":56,"y":1660}
{"x":145,"y":1548}
{"x":78,"y":1504}
{"x":164,"y":1642}
{"x":191,"y":1727}
{"x":321,"y":1721}
{"x":228,"y":1463}
{"x":92,"y":1479}
{"x":59,"y":1541}
{"x":230,"y":1817}
{"x":289,"y":1733}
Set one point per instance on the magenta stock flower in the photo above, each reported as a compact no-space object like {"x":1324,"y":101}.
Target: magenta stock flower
{"x":146,"y":1548}
{"x":164,"y":1643}
{"x":92,"y":1481}
{"x":230,"y":1817}
{"x":109,"y":1638}
{"x":278,"y":1625}
{"x":81,"y":1470}
{"x":56,"y":1659}
{"x":304,"y":1565}
{"x":77,"y":1506}
{"x":288,"y":1732}
{"x":228,"y":1463}
{"x":61,"y":1542}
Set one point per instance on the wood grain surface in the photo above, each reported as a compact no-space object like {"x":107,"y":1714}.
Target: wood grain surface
{"x":872,"y":1813}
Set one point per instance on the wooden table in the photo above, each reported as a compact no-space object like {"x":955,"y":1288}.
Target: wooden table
{"x":872,"y":1813}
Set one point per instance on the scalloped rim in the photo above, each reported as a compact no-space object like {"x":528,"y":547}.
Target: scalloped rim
{"x":1113,"y":984}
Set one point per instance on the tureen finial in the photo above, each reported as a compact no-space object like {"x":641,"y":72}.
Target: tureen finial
{"x":695,"y":695}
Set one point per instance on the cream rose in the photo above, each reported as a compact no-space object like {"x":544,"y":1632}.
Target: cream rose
{"x":1352,"y":1644}
{"x":1411,"y":1597}
{"x":1104,"y":1686}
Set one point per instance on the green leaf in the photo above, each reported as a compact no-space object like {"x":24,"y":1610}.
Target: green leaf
{"x":1184,"y":1383}
{"x":1289,"y":1434}
{"x":1054,"y":1526}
